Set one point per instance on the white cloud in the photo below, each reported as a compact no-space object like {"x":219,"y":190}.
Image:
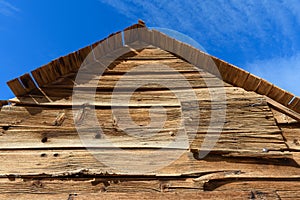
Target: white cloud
{"x":263,"y":33}
{"x":7,"y":9}
{"x":223,"y":23}
{"x":283,"y":72}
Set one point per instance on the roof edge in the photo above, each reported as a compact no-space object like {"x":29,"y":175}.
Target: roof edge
{"x":231,"y":74}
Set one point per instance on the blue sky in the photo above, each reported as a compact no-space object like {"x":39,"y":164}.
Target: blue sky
{"x":261,"y":36}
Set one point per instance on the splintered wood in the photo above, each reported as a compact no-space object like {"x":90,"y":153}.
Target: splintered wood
{"x":43,"y":156}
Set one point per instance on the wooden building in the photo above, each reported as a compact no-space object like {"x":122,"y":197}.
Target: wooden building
{"x":256,"y":155}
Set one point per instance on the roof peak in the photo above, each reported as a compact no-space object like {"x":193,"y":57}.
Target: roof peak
{"x":48,"y":73}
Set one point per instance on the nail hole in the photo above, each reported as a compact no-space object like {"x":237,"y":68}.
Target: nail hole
{"x":5,"y":128}
{"x":11,"y":178}
{"x":43,"y":155}
{"x":56,"y":155}
{"x":106,"y":183}
{"x":44,"y":140}
{"x":98,"y":136}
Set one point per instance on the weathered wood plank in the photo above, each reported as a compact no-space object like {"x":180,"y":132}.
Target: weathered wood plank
{"x":246,"y":107}
{"x":264,"y":87}
{"x":283,"y":109}
{"x":42,"y":154}
{"x":289,"y":194}
{"x":28,"y":83}
{"x":177,"y":64}
{"x":62,"y":97}
{"x":240,"y":78}
{"x":153,"y":84}
{"x":291,"y":133}
{"x":140,"y":184}
{"x":83,"y":56}
{"x":241,"y":109}
{"x":147,"y":75}
{"x":245,"y":185}
{"x":286,"y":98}
{"x":297,"y":106}
{"x":131,"y":33}
{"x":252,"y":83}
{"x":71,"y":162}
{"x":34,"y":116}
{"x":282,"y":118}
{"x":183,"y":196}
{"x":28,"y":130}
{"x":138,"y":195}
{"x":54,"y":139}
{"x":276,"y":93}
{"x":16,"y":87}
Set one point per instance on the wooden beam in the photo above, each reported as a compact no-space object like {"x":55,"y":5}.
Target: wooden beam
{"x":28,"y":82}
{"x":16,"y":87}
{"x":277,"y":106}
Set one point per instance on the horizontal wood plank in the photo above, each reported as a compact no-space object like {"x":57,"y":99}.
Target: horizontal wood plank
{"x":52,"y":163}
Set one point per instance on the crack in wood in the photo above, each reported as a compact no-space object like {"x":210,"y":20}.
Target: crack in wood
{"x":81,"y":114}
{"x":60,"y":119}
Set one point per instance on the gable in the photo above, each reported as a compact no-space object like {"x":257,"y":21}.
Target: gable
{"x":249,"y":125}
{"x":41,"y":149}
{"x":138,"y":36}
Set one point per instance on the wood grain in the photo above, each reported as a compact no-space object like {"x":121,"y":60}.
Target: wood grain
{"x":42,"y":155}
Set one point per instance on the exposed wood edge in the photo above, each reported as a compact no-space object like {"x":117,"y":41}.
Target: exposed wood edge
{"x":277,"y":106}
{"x":197,"y":176}
{"x":242,"y":154}
{"x":238,"y":174}
{"x":16,"y":87}
{"x":209,"y":180}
